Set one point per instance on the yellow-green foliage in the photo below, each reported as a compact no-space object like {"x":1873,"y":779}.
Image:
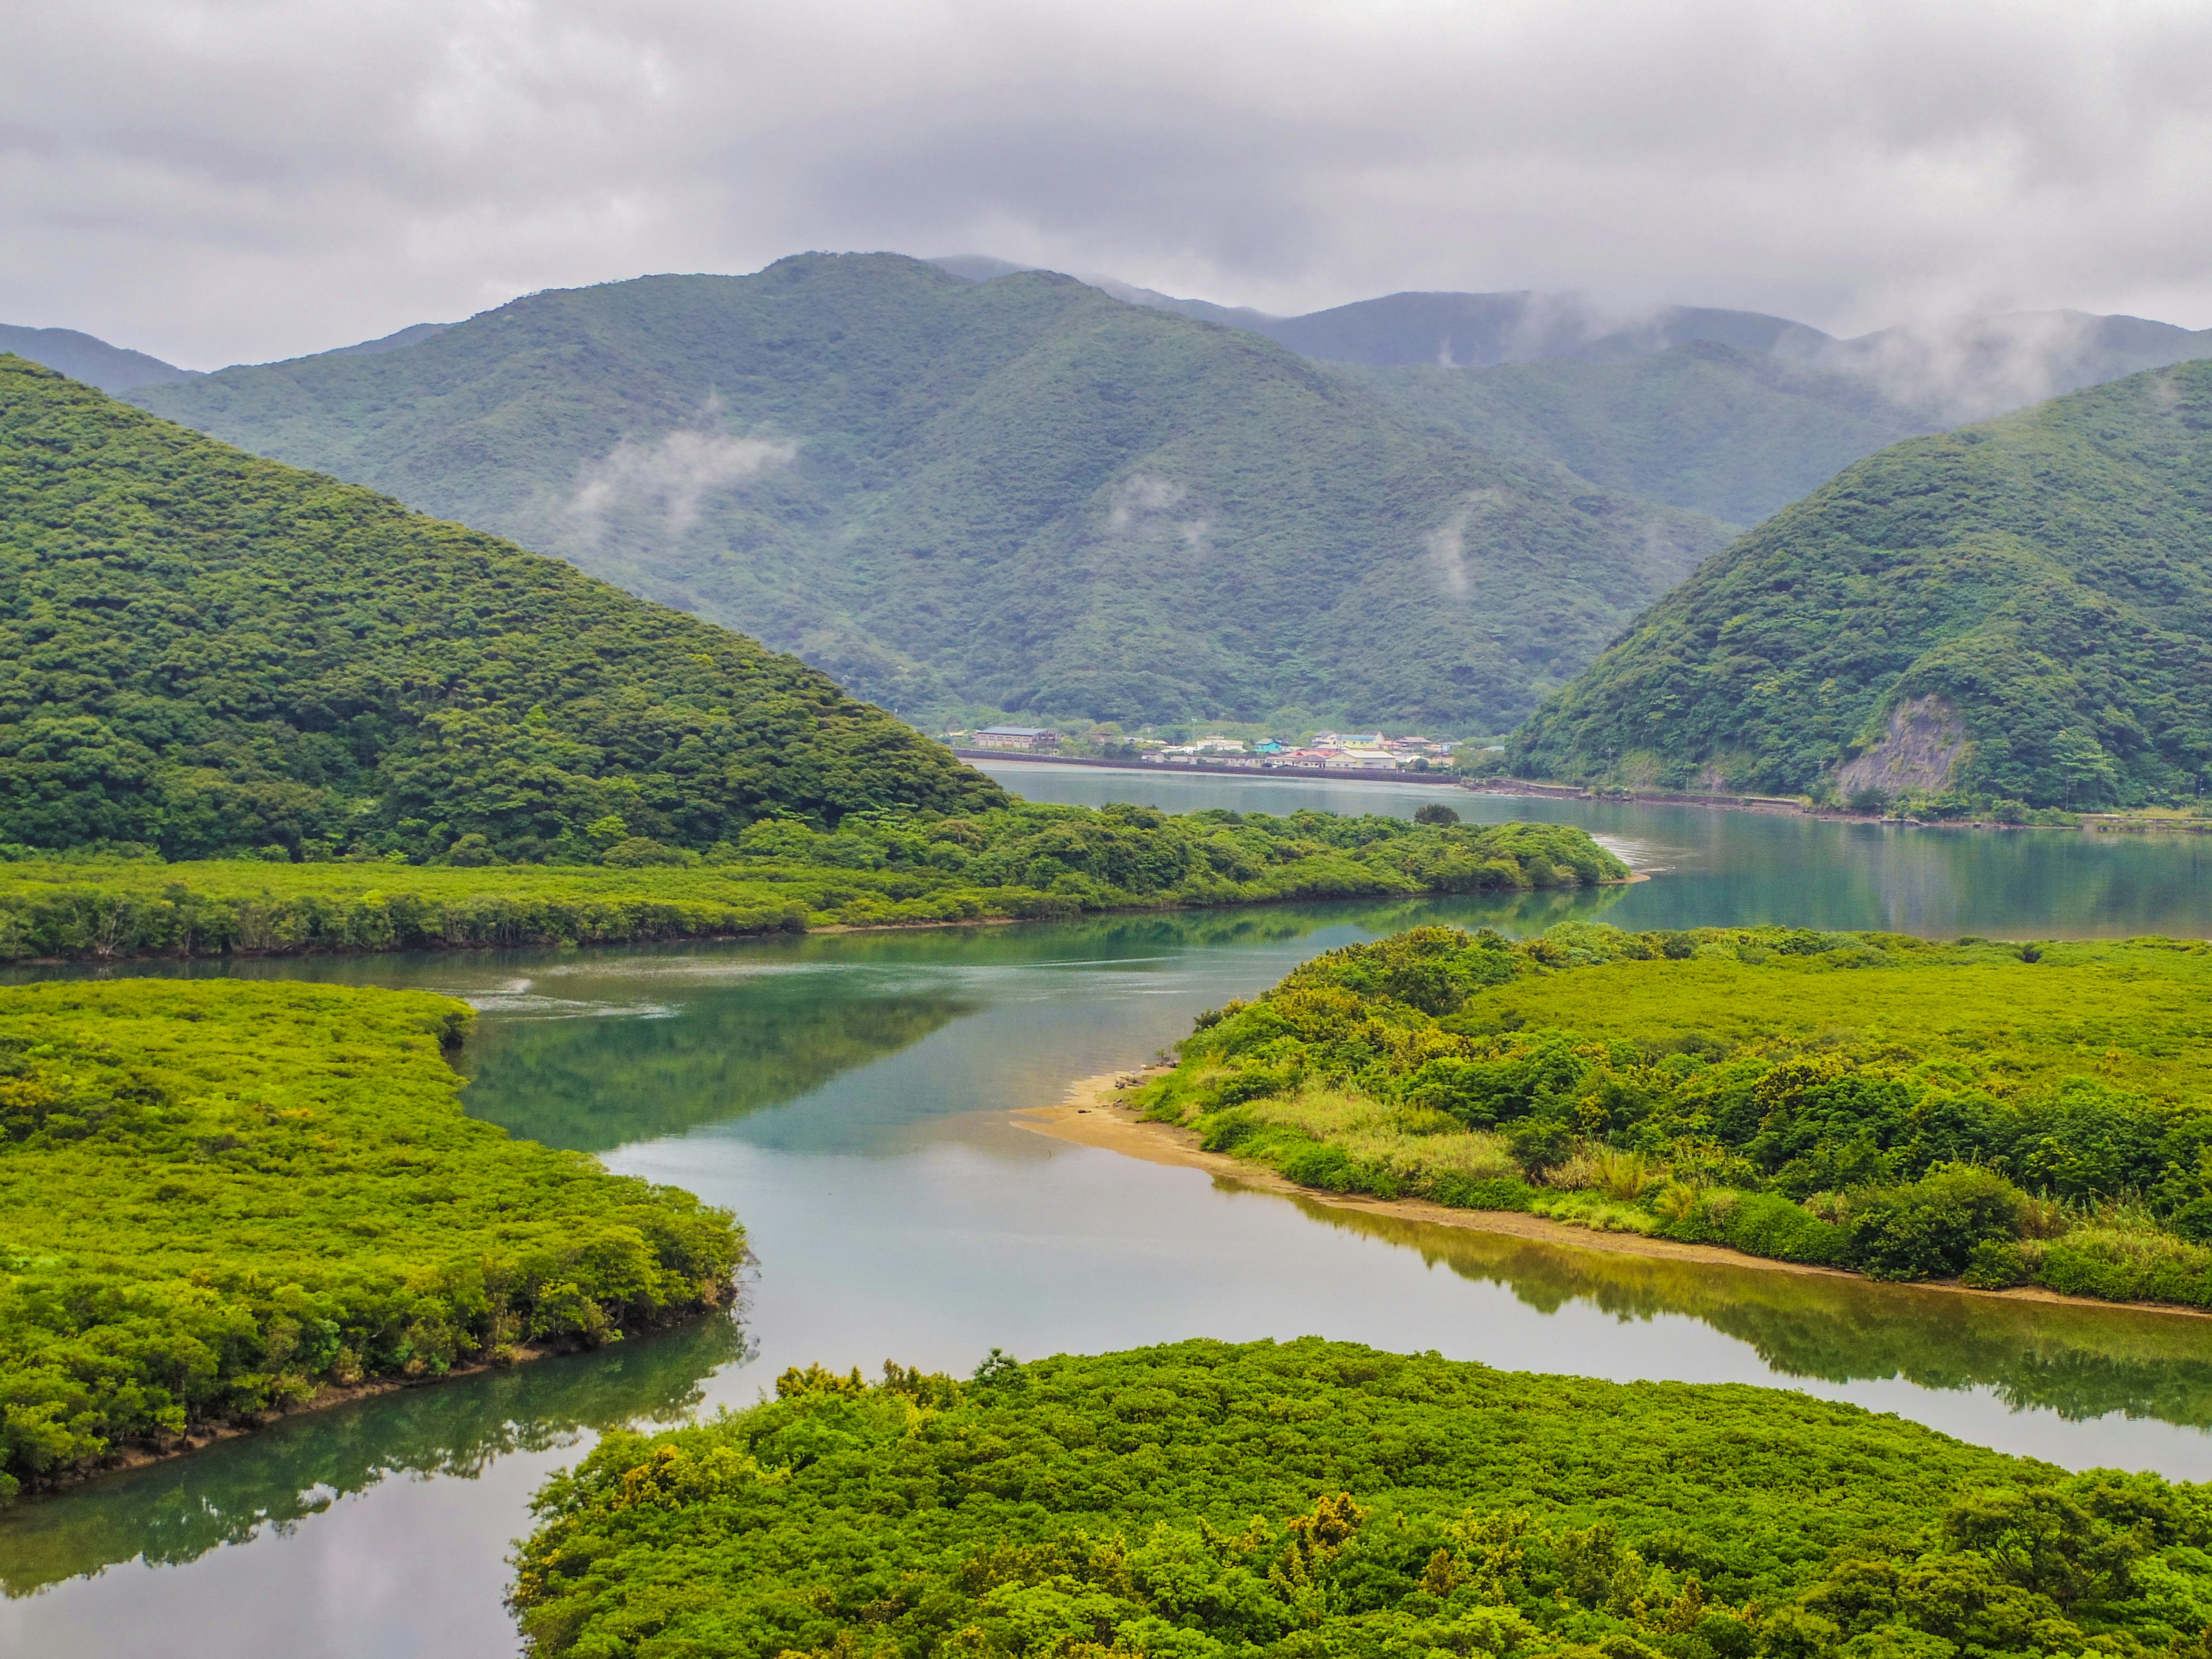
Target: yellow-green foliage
{"x":2010,"y":1113}
{"x":1326,"y":1501}
{"x":782,"y":874}
{"x":216,"y":1197}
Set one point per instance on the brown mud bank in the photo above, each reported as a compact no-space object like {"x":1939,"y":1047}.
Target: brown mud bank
{"x":1093,"y":1115}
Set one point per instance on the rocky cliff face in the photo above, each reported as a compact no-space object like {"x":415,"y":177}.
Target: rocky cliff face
{"x":1919,"y":752}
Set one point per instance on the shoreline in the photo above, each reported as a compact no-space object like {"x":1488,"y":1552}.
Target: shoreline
{"x":98,"y":962}
{"x":138,"y":1454}
{"x":1091,"y":1115}
{"x":2094,"y":824}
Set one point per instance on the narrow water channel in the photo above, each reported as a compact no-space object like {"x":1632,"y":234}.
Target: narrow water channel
{"x":850,"y":1097}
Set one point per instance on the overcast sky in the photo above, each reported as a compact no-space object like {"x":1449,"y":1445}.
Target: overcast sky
{"x":216,"y":181}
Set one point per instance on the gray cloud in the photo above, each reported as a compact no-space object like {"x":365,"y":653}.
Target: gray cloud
{"x":220,"y":180}
{"x":673,"y":475}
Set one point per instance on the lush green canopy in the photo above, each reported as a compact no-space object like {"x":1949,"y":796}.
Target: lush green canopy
{"x":1866,"y":1101}
{"x":206,"y":651}
{"x":1321,"y":1499}
{"x":217,"y":1197}
{"x":2037,"y":591}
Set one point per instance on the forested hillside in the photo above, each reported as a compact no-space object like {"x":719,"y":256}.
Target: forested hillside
{"x":1733,"y":432}
{"x":203,"y":652}
{"x":1020,"y":494}
{"x":2017,"y":611}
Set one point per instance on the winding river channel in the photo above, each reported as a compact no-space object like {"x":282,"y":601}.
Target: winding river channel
{"x":849,"y":1097}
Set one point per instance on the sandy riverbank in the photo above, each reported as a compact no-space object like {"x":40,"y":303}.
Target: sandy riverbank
{"x":1092,"y":1115}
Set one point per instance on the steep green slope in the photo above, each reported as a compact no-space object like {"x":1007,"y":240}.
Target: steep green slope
{"x":203,"y":651}
{"x":2019,"y":610}
{"x":1734,"y":434}
{"x":1018,"y":494}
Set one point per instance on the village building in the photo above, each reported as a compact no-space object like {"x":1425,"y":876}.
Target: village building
{"x":1030,"y":738}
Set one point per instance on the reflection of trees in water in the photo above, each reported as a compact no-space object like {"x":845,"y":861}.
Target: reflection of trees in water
{"x":2081,"y":1363}
{"x":176,"y":1512}
{"x":591,"y":1083}
{"x":735,"y":1047}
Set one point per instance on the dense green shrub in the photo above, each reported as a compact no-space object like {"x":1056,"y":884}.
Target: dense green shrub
{"x":1866,"y":1101}
{"x":217,"y":1197}
{"x":1320,"y":1499}
{"x":781,"y":874}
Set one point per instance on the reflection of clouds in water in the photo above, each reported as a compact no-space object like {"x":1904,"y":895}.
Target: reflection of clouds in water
{"x":1645,"y":857}
{"x":514,"y":999}
{"x":993,"y":982}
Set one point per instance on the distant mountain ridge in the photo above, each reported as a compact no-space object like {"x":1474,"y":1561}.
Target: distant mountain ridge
{"x":95,"y":362}
{"x":2020,"y":611}
{"x":1018,"y":494}
{"x":1945,"y":371}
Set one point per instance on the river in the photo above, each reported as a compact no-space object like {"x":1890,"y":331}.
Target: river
{"x":849,"y":1097}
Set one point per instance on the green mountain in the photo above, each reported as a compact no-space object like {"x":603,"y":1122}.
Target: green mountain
{"x":1018,"y":494}
{"x":207,"y":651}
{"x":2021,"y":609}
{"x":1730,"y":413}
{"x":1480,"y":330}
{"x":1736,"y":434}
{"x":83,"y":357}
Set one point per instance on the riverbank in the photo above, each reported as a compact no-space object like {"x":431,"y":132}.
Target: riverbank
{"x":1096,"y":1113}
{"x":2150,"y":821}
{"x":2007,"y":1115}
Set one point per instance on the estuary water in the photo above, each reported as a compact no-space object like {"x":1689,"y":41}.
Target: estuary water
{"x":849,"y":1097}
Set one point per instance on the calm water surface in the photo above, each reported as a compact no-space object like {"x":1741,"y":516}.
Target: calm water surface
{"x":848,"y":1097}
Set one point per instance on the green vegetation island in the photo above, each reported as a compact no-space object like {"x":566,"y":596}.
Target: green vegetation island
{"x":2002,"y":1114}
{"x":221,"y":1200}
{"x":2014,"y":616}
{"x":875,"y":870}
{"x":1206,"y":1500}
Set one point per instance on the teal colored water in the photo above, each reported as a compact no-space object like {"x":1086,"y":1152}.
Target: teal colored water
{"x":849,"y":1096}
